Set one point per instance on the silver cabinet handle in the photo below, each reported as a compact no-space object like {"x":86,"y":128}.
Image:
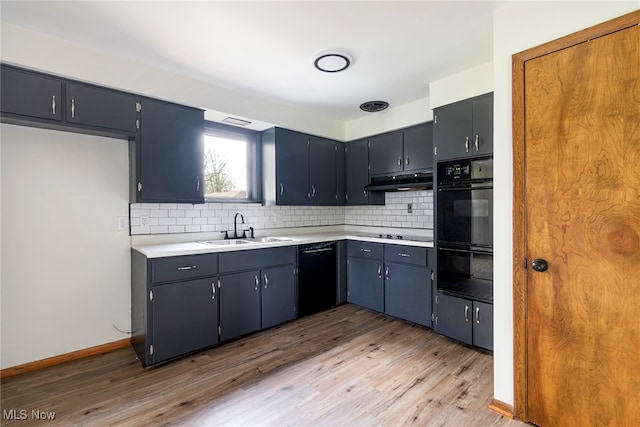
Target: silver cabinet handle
{"x":477,"y":142}
{"x":53,"y":105}
{"x":399,"y":161}
{"x":404,"y":255}
{"x":197,"y":182}
{"x":364,"y":192}
{"x":380,"y":271}
{"x":406,"y":161}
{"x":281,"y":189}
{"x":73,"y":108}
{"x":367,"y":251}
{"x":466,"y":144}
{"x":187,"y":267}
{"x":266,"y":281}
{"x":257,"y":283}
{"x":213,"y":290}
{"x":466,"y":313}
{"x":386,"y":272}
{"x":477,"y":314}
{"x":313,"y":191}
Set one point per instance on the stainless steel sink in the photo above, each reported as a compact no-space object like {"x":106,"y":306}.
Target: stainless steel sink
{"x":231,"y":242}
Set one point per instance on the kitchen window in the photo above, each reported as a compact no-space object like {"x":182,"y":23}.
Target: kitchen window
{"x":232,"y":171}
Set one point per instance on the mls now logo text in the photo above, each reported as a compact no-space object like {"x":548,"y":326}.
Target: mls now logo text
{"x":23,"y":414}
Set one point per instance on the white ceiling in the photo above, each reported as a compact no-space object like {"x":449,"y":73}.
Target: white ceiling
{"x":267,"y":48}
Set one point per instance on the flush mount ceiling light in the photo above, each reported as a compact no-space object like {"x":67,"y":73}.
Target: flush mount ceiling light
{"x":374,"y":106}
{"x":332,"y":61}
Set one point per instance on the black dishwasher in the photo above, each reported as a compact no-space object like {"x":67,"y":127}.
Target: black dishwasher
{"x":317,"y":281}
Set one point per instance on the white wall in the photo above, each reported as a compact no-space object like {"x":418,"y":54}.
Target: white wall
{"x":395,"y":117}
{"x":517,"y":27}
{"x":65,"y":267}
{"x":466,"y":84}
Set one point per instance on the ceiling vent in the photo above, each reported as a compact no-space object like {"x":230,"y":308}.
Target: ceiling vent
{"x":235,"y":121}
{"x":374,"y":106}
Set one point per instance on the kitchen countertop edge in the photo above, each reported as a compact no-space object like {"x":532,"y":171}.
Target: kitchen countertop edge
{"x":195,"y":248}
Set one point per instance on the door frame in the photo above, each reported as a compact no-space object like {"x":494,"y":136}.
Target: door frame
{"x":519,"y":225}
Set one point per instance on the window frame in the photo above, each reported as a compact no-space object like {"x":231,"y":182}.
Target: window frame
{"x":254,"y":160}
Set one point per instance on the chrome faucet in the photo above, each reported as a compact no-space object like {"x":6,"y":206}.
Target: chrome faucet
{"x":235,"y":224}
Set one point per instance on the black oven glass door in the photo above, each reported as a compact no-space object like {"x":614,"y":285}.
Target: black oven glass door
{"x":466,"y":272}
{"x":465,"y":214}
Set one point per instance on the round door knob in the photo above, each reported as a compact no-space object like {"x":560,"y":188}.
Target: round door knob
{"x":539,"y":264}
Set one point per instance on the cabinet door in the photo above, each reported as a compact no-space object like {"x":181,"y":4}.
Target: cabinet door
{"x":292,"y":167}
{"x":454,"y":318}
{"x":385,"y":154}
{"x":239,"y":304}
{"x":184,"y":318}
{"x":407,"y":293}
{"x":340,"y":175}
{"x":278,"y":295}
{"x":31,"y":94}
{"x":418,"y":148}
{"x":483,"y":125}
{"x":357,"y":172}
{"x":89,"y":105}
{"x":170,"y":153}
{"x":365,"y":286}
{"x":452,"y":130}
{"x":323,"y":185}
{"x":483,"y":325}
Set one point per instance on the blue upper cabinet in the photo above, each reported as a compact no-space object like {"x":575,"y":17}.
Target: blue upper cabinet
{"x":167,"y":157}
{"x":464,"y":129}
{"x":300,"y":169}
{"x":402,"y":152}
{"x":32,"y":95}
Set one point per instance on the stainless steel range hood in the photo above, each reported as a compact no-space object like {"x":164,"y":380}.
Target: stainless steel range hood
{"x":408,"y":182}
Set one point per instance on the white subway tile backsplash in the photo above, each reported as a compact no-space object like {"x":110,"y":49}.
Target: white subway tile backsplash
{"x":215,"y":217}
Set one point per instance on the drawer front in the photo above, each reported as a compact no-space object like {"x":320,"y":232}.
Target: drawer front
{"x":256,"y":258}
{"x":406,"y":254}
{"x":364,"y":249}
{"x":183,"y":267}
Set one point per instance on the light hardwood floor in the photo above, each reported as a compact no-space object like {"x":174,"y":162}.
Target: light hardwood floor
{"x":343,"y":367}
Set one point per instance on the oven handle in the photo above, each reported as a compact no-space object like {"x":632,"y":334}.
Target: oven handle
{"x":474,"y":249}
{"x":466,"y":188}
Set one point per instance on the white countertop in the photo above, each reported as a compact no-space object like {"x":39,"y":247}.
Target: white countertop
{"x":197,"y":247}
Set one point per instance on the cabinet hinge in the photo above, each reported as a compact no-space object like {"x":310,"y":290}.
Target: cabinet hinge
{"x":151,"y":349}
{"x":435,"y":119}
{"x":150,"y":295}
{"x":137,"y":124}
{"x":139,"y":187}
{"x":138,"y":107}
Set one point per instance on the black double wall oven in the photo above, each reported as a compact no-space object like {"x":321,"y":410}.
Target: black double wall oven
{"x":465,"y":228}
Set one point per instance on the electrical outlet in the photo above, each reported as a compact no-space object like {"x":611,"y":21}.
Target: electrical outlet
{"x":123,"y":223}
{"x":410,"y":208}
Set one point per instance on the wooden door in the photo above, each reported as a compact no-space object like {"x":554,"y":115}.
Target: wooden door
{"x":581,"y":213}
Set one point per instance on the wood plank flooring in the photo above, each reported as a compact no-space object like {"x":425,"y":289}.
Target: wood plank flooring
{"x":342,"y":367}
